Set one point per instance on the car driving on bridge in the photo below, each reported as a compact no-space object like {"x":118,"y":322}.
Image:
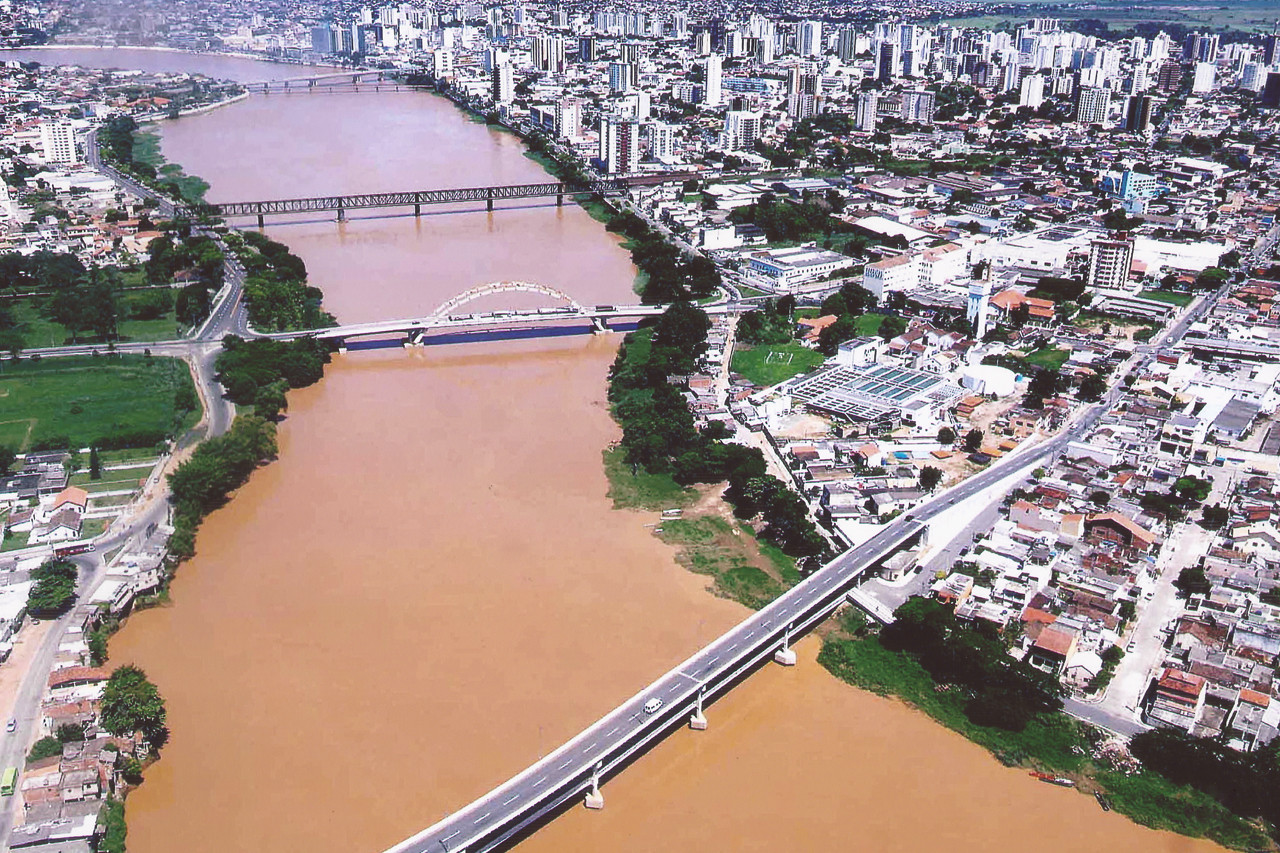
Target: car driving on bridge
{"x":652,"y":706}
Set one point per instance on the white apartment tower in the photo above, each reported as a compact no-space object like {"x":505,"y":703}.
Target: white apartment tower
{"x":58,"y":142}
{"x":1109,"y":263}
{"x":809,"y":40}
{"x":712,"y":90}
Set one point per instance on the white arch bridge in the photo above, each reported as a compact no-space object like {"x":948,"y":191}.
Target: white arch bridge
{"x":448,"y":318}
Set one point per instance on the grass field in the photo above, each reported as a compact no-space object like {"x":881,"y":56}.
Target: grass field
{"x":1214,"y":15}
{"x":770,"y":364}
{"x":869,"y":324}
{"x":88,"y":399}
{"x":1180,"y":299}
{"x":642,"y":490}
{"x":37,"y":331}
{"x":746,"y":570}
{"x":1049,"y":357}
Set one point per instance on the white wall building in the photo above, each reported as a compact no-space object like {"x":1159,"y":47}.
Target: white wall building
{"x":58,"y":142}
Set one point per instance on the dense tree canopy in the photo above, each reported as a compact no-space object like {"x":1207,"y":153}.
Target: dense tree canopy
{"x":131,"y":703}
{"x":54,"y":591}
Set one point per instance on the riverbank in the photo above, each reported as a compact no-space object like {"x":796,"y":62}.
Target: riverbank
{"x":1051,"y":743}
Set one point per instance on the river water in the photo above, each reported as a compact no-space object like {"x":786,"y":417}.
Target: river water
{"x":429,"y":590}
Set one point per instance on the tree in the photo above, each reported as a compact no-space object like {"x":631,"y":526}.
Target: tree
{"x":832,"y":336}
{"x":1211,"y":278}
{"x":7,"y":457}
{"x":1190,"y":581}
{"x":1192,"y":490}
{"x":95,"y":463}
{"x":46,"y":747}
{"x":1213,"y":517}
{"x":1100,"y":498}
{"x":54,"y":590}
{"x":946,"y":435}
{"x":930,"y":478}
{"x":1092,"y":387}
{"x":270,"y":400}
{"x":131,"y":703}
{"x":973,"y":440}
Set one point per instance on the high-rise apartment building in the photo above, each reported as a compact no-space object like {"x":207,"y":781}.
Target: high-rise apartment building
{"x":58,"y":142}
{"x":741,"y":130}
{"x":1032,"y":91}
{"x":548,"y":54}
{"x":1109,"y":263}
{"x":619,"y":145}
{"x":504,"y":85}
{"x":809,"y":39}
{"x":1092,"y":105}
{"x":712,"y":92}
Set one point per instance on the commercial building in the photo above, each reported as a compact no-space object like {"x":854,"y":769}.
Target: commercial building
{"x":810,"y":38}
{"x":785,"y":269}
{"x":878,"y":394}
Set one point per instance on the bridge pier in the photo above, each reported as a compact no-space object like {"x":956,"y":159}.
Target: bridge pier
{"x":488,"y":202}
{"x":262,"y":222}
{"x":559,"y":199}
{"x":341,"y":344}
{"x":417,"y":210}
{"x":786,"y":656}
{"x":599,"y":326}
{"x":414,"y":338}
{"x":342,"y":214}
{"x":595,"y":800}
{"x":698,"y":722}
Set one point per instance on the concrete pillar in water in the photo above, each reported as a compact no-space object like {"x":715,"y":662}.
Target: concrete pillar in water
{"x":595,"y":800}
{"x":698,"y":722}
{"x":598,"y":326}
{"x":786,"y":655}
{"x":489,"y":202}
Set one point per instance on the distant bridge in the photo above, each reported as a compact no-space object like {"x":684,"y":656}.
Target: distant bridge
{"x":447,"y":319}
{"x":302,"y":84}
{"x":417,"y":198}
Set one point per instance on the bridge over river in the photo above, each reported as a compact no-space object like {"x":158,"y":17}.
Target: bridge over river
{"x":447,"y":319}
{"x":417,"y":198}
{"x":578,"y":768}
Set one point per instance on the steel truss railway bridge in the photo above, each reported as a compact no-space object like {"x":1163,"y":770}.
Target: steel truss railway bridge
{"x":417,"y":198}
{"x":448,"y":317}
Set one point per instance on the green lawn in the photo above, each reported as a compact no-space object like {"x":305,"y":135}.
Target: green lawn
{"x":642,"y":490}
{"x":769,"y":364}
{"x":1179,"y":299}
{"x":711,"y":545}
{"x":37,"y":331}
{"x":869,"y":324}
{"x":1049,"y":357}
{"x":89,"y":399}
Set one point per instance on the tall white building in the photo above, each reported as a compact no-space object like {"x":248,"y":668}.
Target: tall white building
{"x":847,"y":44}
{"x":712,"y":90}
{"x":548,"y":54}
{"x":979,"y":305}
{"x":569,"y":118}
{"x":809,"y":40}
{"x":866,"y":116}
{"x":442,"y":63}
{"x":58,"y":142}
{"x":620,"y":77}
{"x":1109,"y":264}
{"x":741,"y":130}
{"x":1092,"y":105}
{"x":662,"y":141}
{"x":619,"y":145}
{"x":504,"y":84}
{"x":1032,"y":91}
{"x":1206,"y":74}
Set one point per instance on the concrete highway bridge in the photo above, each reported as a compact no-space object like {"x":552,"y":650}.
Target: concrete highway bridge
{"x":310,"y":82}
{"x":447,"y":318}
{"x":677,"y":698}
{"x":417,"y":198}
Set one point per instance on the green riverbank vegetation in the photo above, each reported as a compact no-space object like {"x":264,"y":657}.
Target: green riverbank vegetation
{"x":661,"y":443}
{"x":963,"y":678}
{"x":275,"y":288}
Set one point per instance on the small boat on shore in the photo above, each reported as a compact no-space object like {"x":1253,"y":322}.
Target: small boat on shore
{"x":1053,"y":780}
{"x":1102,"y":801}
